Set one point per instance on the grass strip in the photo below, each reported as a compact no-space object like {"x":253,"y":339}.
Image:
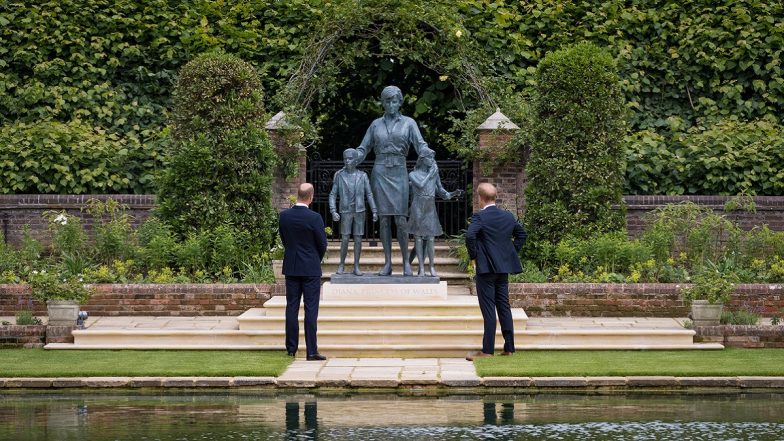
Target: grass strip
{"x":130,"y":363}
{"x":728,"y":362}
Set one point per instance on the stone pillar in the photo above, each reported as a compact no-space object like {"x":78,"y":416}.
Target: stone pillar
{"x":509,"y":178}
{"x":284,"y":188}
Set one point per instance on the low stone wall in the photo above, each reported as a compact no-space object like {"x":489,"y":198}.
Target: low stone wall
{"x":27,"y":336}
{"x":156,"y":300}
{"x":742,"y":336}
{"x":630,"y":300}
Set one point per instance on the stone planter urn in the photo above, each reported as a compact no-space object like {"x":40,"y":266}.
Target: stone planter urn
{"x":62,"y":312}
{"x":704,"y":313}
{"x":277,"y":269}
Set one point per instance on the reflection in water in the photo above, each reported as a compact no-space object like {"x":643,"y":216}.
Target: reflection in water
{"x":229,"y":416}
{"x":293,"y":429}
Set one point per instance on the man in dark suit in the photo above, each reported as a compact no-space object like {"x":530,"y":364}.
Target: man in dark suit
{"x":304,"y":243}
{"x":493,"y":239}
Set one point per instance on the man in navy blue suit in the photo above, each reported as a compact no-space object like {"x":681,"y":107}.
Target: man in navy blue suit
{"x":304,"y":243}
{"x":493,"y":239}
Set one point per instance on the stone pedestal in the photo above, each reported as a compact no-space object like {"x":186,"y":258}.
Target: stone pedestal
{"x":383,"y":291}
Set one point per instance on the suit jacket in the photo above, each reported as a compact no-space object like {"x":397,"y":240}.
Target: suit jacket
{"x":304,"y":241}
{"x":493,"y":239}
{"x":352,"y":191}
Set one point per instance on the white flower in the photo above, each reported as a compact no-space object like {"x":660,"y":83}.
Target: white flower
{"x":35,"y":271}
{"x":443,"y":77}
{"x":61,"y":219}
{"x":81,"y":280}
{"x":459,"y":33}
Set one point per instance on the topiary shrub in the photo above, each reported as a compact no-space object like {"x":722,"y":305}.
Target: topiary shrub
{"x":576,"y":163}
{"x":220,"y":159}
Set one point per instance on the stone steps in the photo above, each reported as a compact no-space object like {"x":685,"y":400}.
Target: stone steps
{"x":389,"y":327}
{"x":380,"y":343}
{"x":256,"y":319}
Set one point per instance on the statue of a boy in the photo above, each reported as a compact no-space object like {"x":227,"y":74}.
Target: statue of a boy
{"x":352,"y":186}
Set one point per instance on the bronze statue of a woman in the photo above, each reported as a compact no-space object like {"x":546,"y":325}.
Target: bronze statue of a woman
{"x":390,"y":138}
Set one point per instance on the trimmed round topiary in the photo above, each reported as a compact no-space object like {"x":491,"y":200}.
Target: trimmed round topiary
{"x":220,"y":159}
{"x":576,"y":165}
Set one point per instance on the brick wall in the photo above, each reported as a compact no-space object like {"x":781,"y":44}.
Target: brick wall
{"x":156,"y":300}
{"x":626,"y":300}
{"x":16,"y":211}
{"x":538,"y":299}
{"x":742,"y":336}
{"x":27,"y":336}
{"x":769,"y":210}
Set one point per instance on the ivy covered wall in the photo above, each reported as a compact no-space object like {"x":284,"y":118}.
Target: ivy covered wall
{"x":108,"y":68}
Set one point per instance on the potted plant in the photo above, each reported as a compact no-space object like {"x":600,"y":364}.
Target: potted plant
{"x":709,"y":291}
{"x":62,"y":295}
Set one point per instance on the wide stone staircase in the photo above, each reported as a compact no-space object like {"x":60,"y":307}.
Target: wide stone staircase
{"x":380,"y":323}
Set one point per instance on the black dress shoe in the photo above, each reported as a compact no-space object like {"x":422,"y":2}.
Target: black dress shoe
{"x":316,"y":357}
{"x":292,"y":354}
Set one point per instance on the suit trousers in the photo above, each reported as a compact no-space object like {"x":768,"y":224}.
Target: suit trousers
{"x":297,"y":288}
{"x":493,"y":292}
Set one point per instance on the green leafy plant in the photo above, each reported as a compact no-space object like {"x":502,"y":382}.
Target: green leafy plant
{"x":711,"y":285}
{"x":739,"y":317}
{"x":49,"y":285}
{"x":26,"y":317}
{"x":113,"y":235}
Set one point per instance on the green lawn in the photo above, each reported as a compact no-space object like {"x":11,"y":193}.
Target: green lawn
{"x":84,"y":363}
{"x":727,"y":362}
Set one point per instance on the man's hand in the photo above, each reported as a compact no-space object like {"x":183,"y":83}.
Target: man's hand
{"x":375,"y":217}
{"x":335,"y":217}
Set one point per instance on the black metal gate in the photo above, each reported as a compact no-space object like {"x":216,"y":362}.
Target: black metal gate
{"x":453,"y":214}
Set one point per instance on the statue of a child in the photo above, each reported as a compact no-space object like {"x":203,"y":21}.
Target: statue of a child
{"x":352,"y":186}
{"x":423,"y":221}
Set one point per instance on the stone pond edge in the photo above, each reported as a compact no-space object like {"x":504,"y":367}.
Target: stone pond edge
{"x":479,"y":385}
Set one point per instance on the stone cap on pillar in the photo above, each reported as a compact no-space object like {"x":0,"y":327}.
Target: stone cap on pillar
{"x":277,"y":122}
{"x":498,"y":121}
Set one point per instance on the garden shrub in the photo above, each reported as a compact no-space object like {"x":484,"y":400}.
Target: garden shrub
{"x":575,"y":169}
{"x":114,"y":236}
{"x":220,"y":161}
{"x":695,"y":232}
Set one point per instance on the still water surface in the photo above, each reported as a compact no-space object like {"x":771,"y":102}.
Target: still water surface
{"x":388,"y":417}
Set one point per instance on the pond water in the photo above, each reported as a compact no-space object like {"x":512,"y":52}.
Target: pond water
{"x":233,"y":416}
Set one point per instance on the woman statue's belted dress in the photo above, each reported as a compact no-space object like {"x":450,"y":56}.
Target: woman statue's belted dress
{"x":390,"y":138}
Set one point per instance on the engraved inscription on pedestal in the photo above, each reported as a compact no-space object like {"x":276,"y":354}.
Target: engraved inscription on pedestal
{"x":383,"y":292}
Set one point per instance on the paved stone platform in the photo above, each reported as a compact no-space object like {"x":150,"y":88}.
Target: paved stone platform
{"x":380,"y":372}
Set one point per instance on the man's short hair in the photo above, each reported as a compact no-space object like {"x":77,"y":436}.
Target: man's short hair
{"x":305,"y":192}
{"x":487,"y":191}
